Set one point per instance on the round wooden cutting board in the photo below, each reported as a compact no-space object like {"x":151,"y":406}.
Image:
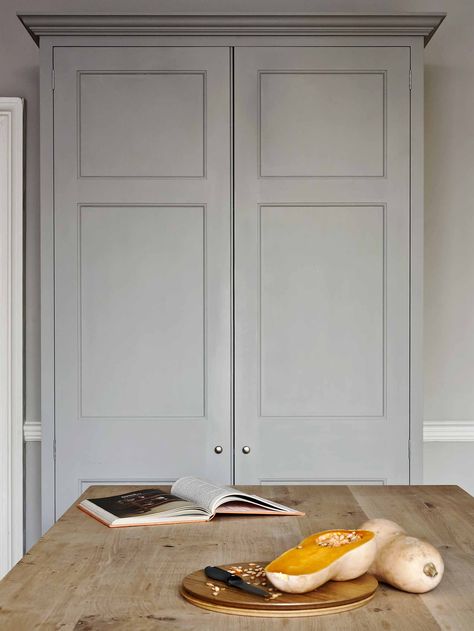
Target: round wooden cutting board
{"x":332,"y":597}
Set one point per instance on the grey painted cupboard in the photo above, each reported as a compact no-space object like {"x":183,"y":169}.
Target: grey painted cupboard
{"x":231,"y":249}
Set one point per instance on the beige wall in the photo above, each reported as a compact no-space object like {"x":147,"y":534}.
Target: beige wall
{"x":449,"y":224}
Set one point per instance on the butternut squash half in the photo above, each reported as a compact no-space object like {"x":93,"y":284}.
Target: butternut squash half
{"x":331,"y":555}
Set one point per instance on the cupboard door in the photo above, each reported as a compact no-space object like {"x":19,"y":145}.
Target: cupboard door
{"x":322,"y":205}
{"x":142,"y":265}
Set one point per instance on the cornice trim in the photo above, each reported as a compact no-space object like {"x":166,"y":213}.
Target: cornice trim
{"x":382,"y":24}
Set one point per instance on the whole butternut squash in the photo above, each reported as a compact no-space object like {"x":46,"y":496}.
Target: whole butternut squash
{"x":405,"y":562}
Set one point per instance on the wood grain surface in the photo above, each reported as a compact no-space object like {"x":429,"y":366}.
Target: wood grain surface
{"x":83,"y":576}
{"x":334,"y":596}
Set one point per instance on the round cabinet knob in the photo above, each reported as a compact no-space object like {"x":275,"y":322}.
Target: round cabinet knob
{"x":246,"y":449}
{"x":218,"y":449}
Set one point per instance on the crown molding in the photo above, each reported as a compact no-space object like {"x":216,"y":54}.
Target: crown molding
{"x":381,"y":24}
{"x":448,"y":431}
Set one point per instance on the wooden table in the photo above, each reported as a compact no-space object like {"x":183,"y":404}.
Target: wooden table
{"x":83,"y":576}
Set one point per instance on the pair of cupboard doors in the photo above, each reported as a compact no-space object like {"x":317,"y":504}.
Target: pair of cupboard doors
{"x":231,"y":264}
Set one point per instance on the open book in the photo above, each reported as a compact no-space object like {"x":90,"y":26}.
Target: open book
{"x":190,"y":500}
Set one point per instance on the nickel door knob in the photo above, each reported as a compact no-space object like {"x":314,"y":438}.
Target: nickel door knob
{"x":246,"y":449}
{"x":218,"y":449}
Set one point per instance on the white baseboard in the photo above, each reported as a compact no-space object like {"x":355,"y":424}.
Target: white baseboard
{"x":433,"y":431}
{"x":32,"y":431}
{"x":448,"y":431}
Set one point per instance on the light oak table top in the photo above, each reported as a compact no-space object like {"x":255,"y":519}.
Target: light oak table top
{"x":83,"y":576}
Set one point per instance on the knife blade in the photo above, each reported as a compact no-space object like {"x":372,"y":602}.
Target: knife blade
{"x":218,"y":574}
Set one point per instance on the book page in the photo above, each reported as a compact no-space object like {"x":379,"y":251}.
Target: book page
{"x":149,"y":501}
{"x":244,"y":508}
{"x":200,"y":492}
{"x":256,"y":505}
{"x":211,"y":497}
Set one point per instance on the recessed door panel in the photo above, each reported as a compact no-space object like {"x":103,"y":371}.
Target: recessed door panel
{"x":322,"y":123}
{"x":322,"y":263}
{"x":142,"y":311}
{"x":321,"y":311}
{"x":142,"y":265}
{"x":141,"y":124}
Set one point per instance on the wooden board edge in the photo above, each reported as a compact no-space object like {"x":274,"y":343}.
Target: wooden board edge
{"x":259,"y":613}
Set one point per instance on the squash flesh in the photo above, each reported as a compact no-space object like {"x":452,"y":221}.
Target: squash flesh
{"x":310,"y":557}
{"x":311,"y":564}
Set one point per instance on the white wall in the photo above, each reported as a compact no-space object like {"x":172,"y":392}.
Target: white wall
{"x":449,"y":255}
{"x":449,"y":244}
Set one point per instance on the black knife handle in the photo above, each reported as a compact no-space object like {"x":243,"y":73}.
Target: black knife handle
{"x":218,"y":574}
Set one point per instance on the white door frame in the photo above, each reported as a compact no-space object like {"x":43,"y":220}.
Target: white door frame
{"x":11,"y":332}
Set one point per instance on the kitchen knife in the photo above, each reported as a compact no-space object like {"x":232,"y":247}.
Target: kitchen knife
{"x":218,"y":574}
